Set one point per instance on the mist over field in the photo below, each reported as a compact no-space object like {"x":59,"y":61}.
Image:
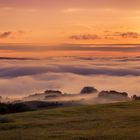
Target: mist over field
{"x":21,"y":77}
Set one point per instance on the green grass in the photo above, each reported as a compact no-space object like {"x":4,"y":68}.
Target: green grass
{"x":119,"y":121}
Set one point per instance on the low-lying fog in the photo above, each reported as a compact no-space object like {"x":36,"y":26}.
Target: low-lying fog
{"x":19,"y":77}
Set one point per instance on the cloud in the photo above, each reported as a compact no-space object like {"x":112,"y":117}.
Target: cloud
{"x":85,"y":37}
{"x":5,"y":34}
{"x":16,"y":58}
{"x":71,"y":47}
{"x":108,"y":35}
{"x":69,"y":74}
{"x":12,"y":34}
{"x":13,"y":72}
{"x":128,"y":34}
{"x":68,"y":83}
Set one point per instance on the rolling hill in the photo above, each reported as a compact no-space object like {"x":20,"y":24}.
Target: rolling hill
{"x":116,"y":121}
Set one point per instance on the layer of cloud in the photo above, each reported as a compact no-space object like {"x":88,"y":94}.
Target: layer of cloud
{"x":128,"y":34}
{"x":69,"y":74}
{"x":16,"y":58}
{"x":108,"y":35}
{"x":85,"y":37}
{"x":71,"y":47}
{"x":11,"y":34}
{"x":5,"y":34}
{"x":84,"y":70}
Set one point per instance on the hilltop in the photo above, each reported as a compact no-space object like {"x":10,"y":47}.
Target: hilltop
{"x":117,"y":121}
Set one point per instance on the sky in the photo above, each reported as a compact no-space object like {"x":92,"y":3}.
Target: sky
{"x":76,"y":21}
{"x":31,"y":26}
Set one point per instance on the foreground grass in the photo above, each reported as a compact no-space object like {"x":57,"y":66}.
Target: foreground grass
{"x":120,"y":121}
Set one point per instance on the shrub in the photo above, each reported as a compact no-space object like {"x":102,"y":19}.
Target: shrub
{"x":13,"y":108}
{"x":135,"y":97}
{"x":18,"y":107}
{"x":4,"y":109}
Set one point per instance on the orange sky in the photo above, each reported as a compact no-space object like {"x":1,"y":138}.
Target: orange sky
{"x":54,"y":22}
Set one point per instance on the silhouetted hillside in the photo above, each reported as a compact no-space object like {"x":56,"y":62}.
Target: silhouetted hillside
{"x":13,"y":108}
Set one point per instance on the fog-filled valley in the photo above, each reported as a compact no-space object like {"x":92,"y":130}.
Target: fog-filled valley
{"x":22,"y":77}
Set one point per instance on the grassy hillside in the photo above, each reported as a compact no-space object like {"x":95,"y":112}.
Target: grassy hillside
{"x":120,"y":121}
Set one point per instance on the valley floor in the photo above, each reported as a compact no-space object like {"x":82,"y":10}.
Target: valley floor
{"x":119,"y":121}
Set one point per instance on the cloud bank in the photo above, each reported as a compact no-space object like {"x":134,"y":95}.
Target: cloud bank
{"x":108,"y":35}
{"x":70,"y":47}
{"x":11,"y":34}
{"x":69,"y":74}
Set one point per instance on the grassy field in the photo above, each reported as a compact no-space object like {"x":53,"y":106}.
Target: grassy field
{"x":120,"y":121}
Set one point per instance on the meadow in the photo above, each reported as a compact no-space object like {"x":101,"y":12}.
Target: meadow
{"x":117,"y":121}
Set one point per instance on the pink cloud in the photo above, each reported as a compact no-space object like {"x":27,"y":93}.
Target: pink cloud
{"x":85,"y":37}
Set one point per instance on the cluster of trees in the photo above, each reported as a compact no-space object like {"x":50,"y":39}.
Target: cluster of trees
{"x":88,"y":90}
{"x":53,"y":91}
{"x":13,"y":108}
{"x":135,"y":97}
{"x":42,"y":104}
{"x":112,"y":92}
{"x":113,"y":95}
